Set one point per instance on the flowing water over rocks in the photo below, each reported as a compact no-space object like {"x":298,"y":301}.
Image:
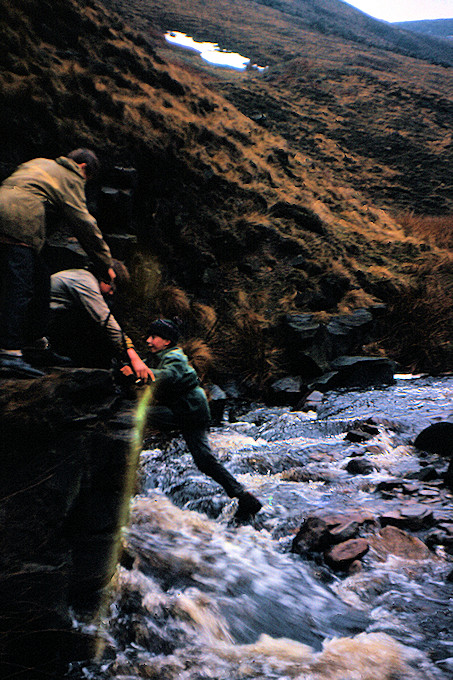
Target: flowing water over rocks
{"x":198,"y":597}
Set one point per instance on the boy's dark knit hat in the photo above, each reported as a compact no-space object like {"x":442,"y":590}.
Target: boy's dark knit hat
{"x":165,"y":328}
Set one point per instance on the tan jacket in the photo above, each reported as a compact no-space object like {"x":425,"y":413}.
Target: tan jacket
{"x":73,"y":290}
{"x":42,"y":185}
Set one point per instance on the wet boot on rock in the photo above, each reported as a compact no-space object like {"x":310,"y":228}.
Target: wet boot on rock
{"x":248,"y":506}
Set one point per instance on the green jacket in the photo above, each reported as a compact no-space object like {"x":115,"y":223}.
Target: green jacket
{"x":178,"y":387}
{"x":43,"y":185}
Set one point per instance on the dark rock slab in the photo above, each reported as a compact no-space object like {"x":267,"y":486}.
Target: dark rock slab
{"x":414,"y":517}
{"x":67,"y":475}
{"x":286,"y":391}
{"x":357,"y":371}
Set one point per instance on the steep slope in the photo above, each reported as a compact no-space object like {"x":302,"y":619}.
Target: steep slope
{"x":251,"y":221}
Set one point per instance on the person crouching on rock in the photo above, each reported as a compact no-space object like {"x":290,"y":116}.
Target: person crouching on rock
{"x":83,"y":326}
{"x":180,"y":402}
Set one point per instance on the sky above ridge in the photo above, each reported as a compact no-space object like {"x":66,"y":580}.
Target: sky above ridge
{"x":405,"y":10}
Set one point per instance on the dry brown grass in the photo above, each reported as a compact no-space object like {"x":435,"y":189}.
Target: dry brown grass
{"x":204,"y":318}
{"x":435,"y":230}
{"x":200,"y":356}
{"x":172,"y":301}
{"x":419,"y":324}
{"x":245,"y":347}
{"x":146,"y":276}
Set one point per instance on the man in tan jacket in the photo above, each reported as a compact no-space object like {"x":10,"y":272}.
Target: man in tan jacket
{"x":83,"y":326}
{"x":37,"y":189}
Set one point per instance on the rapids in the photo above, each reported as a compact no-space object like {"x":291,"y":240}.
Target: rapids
{"x":198,"y":597}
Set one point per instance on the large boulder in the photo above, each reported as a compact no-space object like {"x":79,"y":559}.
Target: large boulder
{"x":438,"y":438}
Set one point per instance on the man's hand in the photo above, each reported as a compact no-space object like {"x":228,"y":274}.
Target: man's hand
{"x":141,"y":370}
{"x":139,"y":367}
{"x":126,"y":370}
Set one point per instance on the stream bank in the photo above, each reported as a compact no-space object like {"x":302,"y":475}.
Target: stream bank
{"x":199,"y":597}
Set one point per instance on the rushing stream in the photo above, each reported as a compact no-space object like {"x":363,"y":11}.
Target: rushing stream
{"x":200,"y":598}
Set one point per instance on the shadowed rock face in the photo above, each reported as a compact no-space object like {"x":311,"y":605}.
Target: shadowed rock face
{"x":65,"y":452}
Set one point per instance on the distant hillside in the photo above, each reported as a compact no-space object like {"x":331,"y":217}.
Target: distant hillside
{"x":270,"y":29}
{"x":388,"y":115}
{"x":258,"y":194}
{"x":435,"y":28}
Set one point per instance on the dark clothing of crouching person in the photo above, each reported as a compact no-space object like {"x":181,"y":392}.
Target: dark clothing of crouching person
{"x":180,"y":402}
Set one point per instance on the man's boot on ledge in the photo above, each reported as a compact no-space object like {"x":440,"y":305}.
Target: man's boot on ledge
{"x":40,"y":353}
{"x":14,"y":364}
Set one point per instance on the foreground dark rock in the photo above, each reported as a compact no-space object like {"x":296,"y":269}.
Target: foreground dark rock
{"x":67,"y":474}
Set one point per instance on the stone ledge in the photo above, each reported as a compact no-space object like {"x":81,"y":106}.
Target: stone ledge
{"x":67,"y":458}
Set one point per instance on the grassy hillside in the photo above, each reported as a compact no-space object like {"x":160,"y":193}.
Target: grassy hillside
{"x":435,"y":28}
{"x":314,"y":187}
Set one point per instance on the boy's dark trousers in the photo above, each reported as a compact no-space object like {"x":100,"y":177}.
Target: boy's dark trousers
{"x":196,"y":438}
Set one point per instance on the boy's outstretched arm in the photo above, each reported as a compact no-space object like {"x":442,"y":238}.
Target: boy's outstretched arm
{"x":138,"y":366}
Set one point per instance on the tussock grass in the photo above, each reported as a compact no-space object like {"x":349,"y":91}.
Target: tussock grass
{"x":204,"y":317}
{"x":418,"y":327}
{"x":146,"y":277}
{"x":435,"y":230}
{"x":200,"y":356}
{"x":173,"y":302}
{"x":246,"y":347}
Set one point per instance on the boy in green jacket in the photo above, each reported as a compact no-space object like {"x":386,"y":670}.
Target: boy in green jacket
{"x":180,"y":402}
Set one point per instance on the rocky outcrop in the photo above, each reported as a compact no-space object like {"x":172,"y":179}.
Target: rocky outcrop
{"x":319,"y":356}
{"x":334,"y":537}
{"x":68,"y":470}
{"x":311,"y":344}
